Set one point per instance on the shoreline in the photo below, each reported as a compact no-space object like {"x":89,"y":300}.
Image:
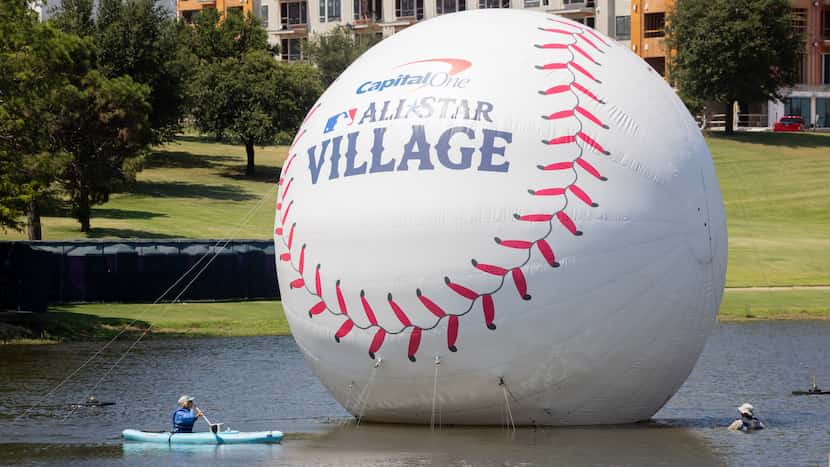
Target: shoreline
{"x":102,"y":321}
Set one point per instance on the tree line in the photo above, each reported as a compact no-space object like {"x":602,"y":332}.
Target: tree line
{"x":84,"y":96}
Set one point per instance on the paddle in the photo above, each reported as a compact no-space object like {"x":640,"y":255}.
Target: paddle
{"x":214,"y":428}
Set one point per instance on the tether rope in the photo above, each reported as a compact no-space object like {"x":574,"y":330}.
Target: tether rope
{"x":175,"y":300}
{"x":367,"y":390}
{"x":245,"y":219}
{"x":434,"y":393}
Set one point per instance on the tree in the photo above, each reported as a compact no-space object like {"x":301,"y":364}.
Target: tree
{"x":103,"y":126}
{"x":732,"y":50}
{"x":139,"y":39}
{"x":216,"y":38}
{"x":36,"y":60}
{"x":75,"y":17}
{"x":253,"y":98}
{"x":334,"y":51}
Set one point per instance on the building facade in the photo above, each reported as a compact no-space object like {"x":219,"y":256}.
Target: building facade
{"x":810,"y":98}
{"x":289,"y":22}
{"x":185,"y":9}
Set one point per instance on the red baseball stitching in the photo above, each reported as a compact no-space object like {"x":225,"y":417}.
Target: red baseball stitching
{"x":581,"y":139}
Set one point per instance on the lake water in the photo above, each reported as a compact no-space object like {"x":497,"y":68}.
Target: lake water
{"x":263,"y":383}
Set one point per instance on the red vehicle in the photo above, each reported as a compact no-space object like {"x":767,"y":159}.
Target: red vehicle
{"x":790,"y":123}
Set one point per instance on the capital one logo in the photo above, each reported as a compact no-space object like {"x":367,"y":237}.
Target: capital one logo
{"x":337,"y":119}
{"x":435,"y":79}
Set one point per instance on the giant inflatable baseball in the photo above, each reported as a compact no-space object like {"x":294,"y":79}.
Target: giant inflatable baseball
{"x":500,"y":213}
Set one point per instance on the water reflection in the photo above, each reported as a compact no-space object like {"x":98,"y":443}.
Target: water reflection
{"x":643,"y":444}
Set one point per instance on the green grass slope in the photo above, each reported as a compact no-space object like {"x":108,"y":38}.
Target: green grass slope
{"x":192,"y":188}
{"x":198,"y":319}
{"x":776,"y":190}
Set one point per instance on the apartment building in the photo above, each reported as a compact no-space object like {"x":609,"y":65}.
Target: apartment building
{"x":810,"y":98}
{"x":290,"y":21}
{"x":185,"y":9}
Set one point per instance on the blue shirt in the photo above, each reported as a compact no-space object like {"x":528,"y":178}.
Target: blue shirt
{"x":183,"y":420}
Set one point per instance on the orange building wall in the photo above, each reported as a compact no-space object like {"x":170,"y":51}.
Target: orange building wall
{"x":221,"y":5}
{"x":646,"y":47}
{"x":816,"y":44}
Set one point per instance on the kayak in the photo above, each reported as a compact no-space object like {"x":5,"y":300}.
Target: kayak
{"x":206,"y":437}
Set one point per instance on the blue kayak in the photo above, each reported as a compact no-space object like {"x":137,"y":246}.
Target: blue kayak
{"x":206,"y":437}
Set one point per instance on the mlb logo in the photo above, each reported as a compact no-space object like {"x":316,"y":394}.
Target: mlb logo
{"x":335,"y":120}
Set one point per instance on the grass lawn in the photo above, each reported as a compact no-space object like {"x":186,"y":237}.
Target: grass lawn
{"x":198,"y":319}
{"x":776,"y":190}
{"x":746,"y":305}
{"x":777,"y":197}
{"x":265,"y":318}
{"x":192,"y":188}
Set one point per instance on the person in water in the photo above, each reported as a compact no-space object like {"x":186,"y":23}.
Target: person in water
{"x":748,"y":422}
{"x":185,"y":416}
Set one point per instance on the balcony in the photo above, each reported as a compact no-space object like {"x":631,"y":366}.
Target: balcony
{"x":292,"y":30}
{"x":293,"y":18}
{"x":576,"y":8}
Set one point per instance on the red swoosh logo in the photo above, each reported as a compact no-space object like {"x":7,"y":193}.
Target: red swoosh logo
{"x":457,"y":65}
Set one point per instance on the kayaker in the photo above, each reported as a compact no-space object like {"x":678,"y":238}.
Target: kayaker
{"x":748,"y":422}
{"x":185,"y":416}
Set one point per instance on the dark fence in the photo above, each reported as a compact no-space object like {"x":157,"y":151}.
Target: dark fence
{"x":35,"y":274}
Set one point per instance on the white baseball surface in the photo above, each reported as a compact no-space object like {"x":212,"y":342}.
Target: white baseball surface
{"x":514,"y":196}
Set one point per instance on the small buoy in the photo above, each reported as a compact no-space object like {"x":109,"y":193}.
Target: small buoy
{"x":92,"y":401}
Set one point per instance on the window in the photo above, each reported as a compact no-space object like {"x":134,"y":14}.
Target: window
{"x":409,"y":8}
{"x":823,"y":112}
{"x":450,"y":6}
{"x":367,"y":10}
{"x":531,"y":3}
{"x":263,"y":15}
{"x":654,"y":24}
{"x":797,"y":106}
{"x":801,"y":72}
{"x":622,"y":28}
{"x":294,"y":13}
{"x":825,"y":68}
{"x":329,"y":10}
{"x":826,"y":25}
{"x":658,"y":63}
{"x":494,"y":3}
{"x":799,"y":21}
{"x":589,"y":21}
{"x":292,"y":49}
{"x":187,"y":16}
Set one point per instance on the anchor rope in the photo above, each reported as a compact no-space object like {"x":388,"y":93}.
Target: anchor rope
{"x":510,"y":423}
{"x":224,"y":242}
{"x":367,"y":390}
{"x":175,"y":300}
{"x":348,"y":404}
{"x":434,"y":394}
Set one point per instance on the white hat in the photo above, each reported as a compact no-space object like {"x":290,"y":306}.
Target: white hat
{"x":185,"y":399}
{"x":746,"y":408}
